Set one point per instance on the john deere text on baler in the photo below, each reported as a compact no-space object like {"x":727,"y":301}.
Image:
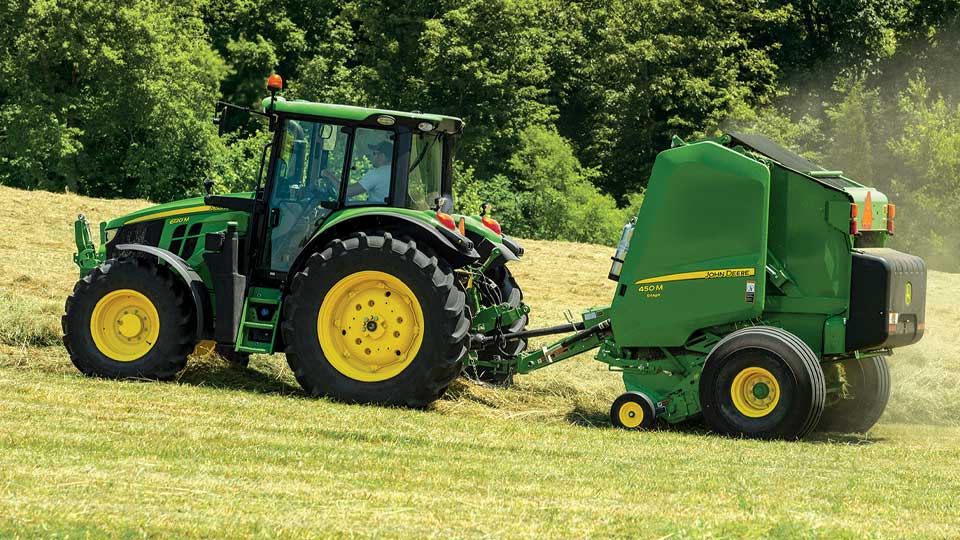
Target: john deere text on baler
{"x":753,"y":288}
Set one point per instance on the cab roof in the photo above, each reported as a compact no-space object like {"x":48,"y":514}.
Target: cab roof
{"x":447,"y":124}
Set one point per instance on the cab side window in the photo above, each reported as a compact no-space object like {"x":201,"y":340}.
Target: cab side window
{"x":371,"y":169}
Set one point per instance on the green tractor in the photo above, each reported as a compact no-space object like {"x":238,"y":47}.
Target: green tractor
{"x":346,"y":257}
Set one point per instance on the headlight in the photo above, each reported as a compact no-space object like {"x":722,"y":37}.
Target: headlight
{"x":108,"y":235}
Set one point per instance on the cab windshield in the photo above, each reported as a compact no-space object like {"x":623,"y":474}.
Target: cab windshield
{"x":426,"y":169}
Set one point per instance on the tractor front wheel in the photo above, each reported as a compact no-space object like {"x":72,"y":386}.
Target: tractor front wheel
{"x":372,"y":319}
{"x":762,"y":382}
{"x":868,"y":380}
{"x":129,"y":318}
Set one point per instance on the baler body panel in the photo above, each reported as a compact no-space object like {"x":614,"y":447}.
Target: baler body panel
{"x":698,"y":254}
{"x":813,"y":248}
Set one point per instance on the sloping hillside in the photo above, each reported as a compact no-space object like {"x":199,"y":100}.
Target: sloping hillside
{"x":231,"y":452}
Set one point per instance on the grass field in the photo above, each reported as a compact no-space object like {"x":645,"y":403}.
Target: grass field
{"x":227,"y":452}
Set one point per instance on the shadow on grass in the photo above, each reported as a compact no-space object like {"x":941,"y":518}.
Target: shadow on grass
{"x":582,"y":417}
{"x":234,"y":377}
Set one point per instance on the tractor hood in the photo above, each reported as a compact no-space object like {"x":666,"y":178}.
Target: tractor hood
{"x":871,"y":204}
{"x":182,"y":207}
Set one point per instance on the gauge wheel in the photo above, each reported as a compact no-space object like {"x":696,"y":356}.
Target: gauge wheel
{"x":632,"y":410}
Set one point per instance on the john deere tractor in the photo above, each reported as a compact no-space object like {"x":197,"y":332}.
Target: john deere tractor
{"x":345,"y":256}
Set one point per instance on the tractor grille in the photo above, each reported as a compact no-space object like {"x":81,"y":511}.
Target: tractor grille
{"x":146,"y":233}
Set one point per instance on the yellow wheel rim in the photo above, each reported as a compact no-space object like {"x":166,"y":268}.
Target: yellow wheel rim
{"x":755,"y":392}
{"x":370,"y":326}
{"x":631,"y":414}
{"x":124,"y":325}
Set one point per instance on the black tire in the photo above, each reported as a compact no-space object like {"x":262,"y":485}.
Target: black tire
{"x":868,"y":380}
{"x":177,"y":327}
{"x":236,"y":358}
{"x":633,"y":410}
{"x":506,"y":290}
{"x":772,"y":358}
{"x":438,"y":360}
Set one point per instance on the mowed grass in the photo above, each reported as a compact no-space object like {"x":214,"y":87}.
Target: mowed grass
{"x":227,"y":452}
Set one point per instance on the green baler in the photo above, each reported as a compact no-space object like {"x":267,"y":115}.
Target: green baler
{"x":753,"y":288}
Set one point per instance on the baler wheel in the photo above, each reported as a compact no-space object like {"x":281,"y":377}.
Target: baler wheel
{"x":869,"y":382}
{"x":632,"y":410}
{"x":762,"y":382}
{"x":129,"y":319}
{"x":373,"y":319}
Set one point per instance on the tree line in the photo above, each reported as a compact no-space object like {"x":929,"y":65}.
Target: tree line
{"x":567,"y":102}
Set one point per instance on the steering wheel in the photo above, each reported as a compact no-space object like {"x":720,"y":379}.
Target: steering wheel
{"x":328,"y":186}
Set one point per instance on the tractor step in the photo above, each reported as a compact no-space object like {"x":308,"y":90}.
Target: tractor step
{"x":258,"y":327}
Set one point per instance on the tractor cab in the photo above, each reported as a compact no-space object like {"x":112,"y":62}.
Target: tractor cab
{"x":332,"y":157}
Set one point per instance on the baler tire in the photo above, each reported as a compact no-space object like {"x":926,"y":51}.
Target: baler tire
{"x":634,"y":411}
{"x":436,"y":362}
{"x":241,"y":359}
{"x":514,"y":296}
{"x":791,"y":400}
{"x":130,"y":277}
{"x":869,"y":379}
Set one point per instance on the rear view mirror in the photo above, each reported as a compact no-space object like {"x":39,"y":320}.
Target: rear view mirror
{"x":221,"y":121}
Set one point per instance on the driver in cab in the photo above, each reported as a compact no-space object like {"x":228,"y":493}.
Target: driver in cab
{"x":375,"y":182}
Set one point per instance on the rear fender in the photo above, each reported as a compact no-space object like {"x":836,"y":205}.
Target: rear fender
{"x":189,"y":277}
{"x":486,"y":240}
{"x":455,"y":249}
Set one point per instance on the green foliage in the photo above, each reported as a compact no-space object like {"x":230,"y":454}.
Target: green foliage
{"x":241,"y":167}
{"x":851,"y":135}
{"x":106,"y":100}
{"x":651,"y":69}
{"x":927,"y":182}
{"x":566,"y":103}
{"x":548,"y":193}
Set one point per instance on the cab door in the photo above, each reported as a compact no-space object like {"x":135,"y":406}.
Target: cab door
{"x":311,"y":161}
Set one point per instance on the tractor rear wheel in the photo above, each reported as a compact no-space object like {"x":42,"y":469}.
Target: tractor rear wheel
{"x":372,"y":319}
{"x":868,"y":379}
{"x":762,"y":382}
{"x":129,"y":318}
{"x":505,"y":291}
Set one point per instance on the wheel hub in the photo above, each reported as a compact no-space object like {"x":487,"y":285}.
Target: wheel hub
{"x":631,"y":414}
{"x":124,"y":325}
{"x":370,"y":326}
{"x":755,"y":392}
